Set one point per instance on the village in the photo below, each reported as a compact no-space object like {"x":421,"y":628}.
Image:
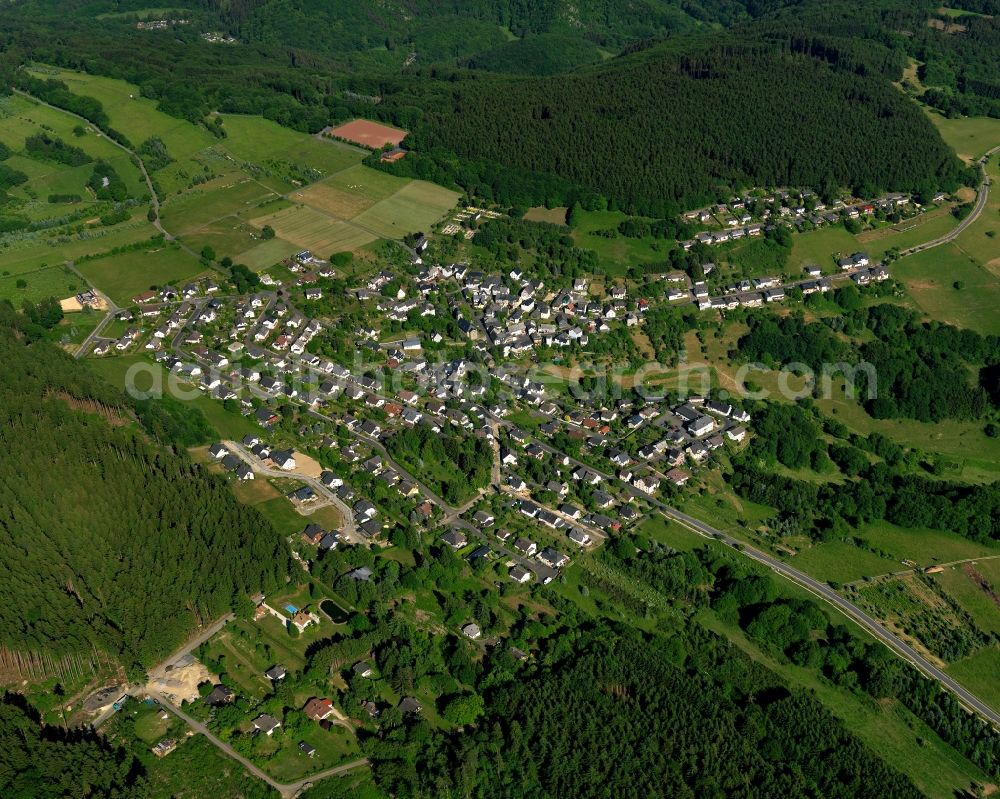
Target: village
{"x":352,"y":383}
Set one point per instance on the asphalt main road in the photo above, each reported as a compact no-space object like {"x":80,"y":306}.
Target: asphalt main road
{"x":823,"y":591}
{"x":819,"y":589}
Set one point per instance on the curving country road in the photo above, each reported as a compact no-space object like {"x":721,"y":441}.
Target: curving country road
{"x":954,"y":233}
{"x":285,"y":789}
{"x":823,"y":591}
{"x":819,"y":589}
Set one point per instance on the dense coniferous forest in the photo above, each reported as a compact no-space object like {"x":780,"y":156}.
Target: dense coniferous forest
{"x":680,"y":129}
{"x":788,"y":95}
{"x":110,"y":540}
{"x":611,"y":713}
{"x":45,"y":762}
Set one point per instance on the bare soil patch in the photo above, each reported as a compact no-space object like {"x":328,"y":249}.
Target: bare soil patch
{"x":369,"y":134}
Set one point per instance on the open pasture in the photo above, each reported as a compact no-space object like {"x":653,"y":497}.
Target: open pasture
{"x":931,"y":276}
{"x":136,"y":116}
{"x":260,"y":141}
{"x":970,"y":137}
{"x":214,"y":201}
{"x":928,"y":226}
{"x":38,"y":284}
{"x":123,"y":276}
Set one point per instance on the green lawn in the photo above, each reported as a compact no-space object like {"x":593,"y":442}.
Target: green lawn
{"x":971,"y":597}
{"x":150,"y":727}
{"x":123,"y":276}
{"x":619,"y":253}
{"x":978,"y":673}
{"x":333,"y":747}
{"x":283,"y":516}
{"x":821,"y":247}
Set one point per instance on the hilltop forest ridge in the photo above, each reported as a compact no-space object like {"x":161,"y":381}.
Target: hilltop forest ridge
{"x":499,"y":398}
{"x":796,"y":96}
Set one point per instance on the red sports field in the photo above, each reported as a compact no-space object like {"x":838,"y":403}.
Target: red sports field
{"x":368,"y":133}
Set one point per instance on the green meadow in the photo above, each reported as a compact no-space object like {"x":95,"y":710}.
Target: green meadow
{"x":125,"y":275}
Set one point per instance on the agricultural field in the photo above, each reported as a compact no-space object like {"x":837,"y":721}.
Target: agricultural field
{"x":215,"y":193}
{"x":350,"y":191}
{"x":415,"y":207}
{"x":310,"y":229}
{"x":221,"y":198}
{"x":267,"y":253}
{"x":262,"y":142}
{"x":138,"y":119}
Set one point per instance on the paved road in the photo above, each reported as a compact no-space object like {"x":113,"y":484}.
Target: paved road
{"x":823,"y":591}
{"x":196,"y":640}
{"x":819,"y":589}
{"x":85,"y":345}
{"x":285,"y":789}
{"x":984,"y":193}
{"x":349,"y":531}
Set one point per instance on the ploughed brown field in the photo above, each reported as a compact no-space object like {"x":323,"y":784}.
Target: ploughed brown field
{"x":368,"y":133}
